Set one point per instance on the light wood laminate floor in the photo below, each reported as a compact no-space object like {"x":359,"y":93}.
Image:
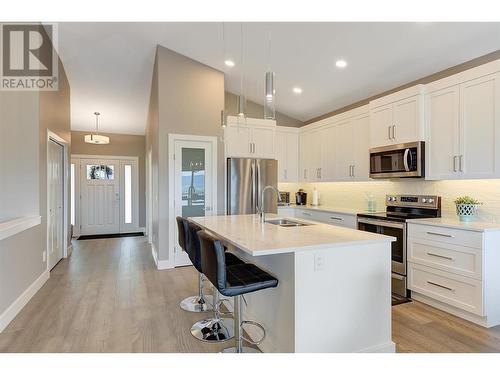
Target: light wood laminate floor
{"x":109,"y":297}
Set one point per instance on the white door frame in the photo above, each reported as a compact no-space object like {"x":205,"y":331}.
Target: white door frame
{"x":171,"y":185}
{"x":53,"y":137}
{"x":76,"y":159}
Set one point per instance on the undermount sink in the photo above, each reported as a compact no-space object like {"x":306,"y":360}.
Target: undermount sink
{"x":287,"y":223}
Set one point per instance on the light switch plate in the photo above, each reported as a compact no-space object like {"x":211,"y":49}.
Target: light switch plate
{"x":319,"y":262}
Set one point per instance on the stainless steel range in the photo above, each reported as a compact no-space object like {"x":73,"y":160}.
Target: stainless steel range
{"x":392,"y":222}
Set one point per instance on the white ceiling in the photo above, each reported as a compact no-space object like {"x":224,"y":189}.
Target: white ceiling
{"x":109,"y":65}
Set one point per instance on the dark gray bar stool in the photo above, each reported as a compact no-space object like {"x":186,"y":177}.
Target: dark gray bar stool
{"x":194,"y":303}
{"x":216,"y":329}
{"x":234,"y":281}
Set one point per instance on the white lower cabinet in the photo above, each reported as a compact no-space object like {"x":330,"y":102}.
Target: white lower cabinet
{"x":328,"y":217}
{"x":456,"y":270}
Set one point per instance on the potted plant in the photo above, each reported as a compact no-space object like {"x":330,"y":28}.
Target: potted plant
{"x":466,"y":207}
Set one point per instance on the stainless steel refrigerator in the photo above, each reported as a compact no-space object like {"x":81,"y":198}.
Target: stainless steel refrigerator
{"x":245,"y":180}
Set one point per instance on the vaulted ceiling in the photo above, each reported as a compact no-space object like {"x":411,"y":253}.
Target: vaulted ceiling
{"x":109,"y":65}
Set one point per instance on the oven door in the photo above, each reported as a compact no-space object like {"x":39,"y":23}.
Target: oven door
{"x":389,"y":228}
{"x":403,"y":160}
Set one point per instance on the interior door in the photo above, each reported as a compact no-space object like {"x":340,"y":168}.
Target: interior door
{"x":55,"y":176}
{"x":100,"y":196}
{"x":193,"y":179}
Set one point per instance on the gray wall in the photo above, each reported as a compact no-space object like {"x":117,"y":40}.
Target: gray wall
{"x":25,"y":118}
{"x":120,"y":145}
{"x":255,"y":110}
{"x":190,"y":97}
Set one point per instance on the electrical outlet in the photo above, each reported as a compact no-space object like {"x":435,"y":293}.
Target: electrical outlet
{"x":44,"y":256}
{"x":319,"y":262}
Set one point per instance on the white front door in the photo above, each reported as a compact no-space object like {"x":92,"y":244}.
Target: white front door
{"x":55,"y":177}
{"x":193,"y":179}
{"x":100,"y":196}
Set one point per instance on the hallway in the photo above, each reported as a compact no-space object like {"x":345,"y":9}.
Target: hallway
{"x":108,"y":297}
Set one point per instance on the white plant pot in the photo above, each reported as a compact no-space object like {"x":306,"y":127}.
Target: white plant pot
{"x":466,"y":212}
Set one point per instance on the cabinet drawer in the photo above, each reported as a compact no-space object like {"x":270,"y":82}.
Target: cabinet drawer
{"x":333,"y":218}
{"x":456,"y":259}
{"x":446,"y":235}
{"x":462,"y":292}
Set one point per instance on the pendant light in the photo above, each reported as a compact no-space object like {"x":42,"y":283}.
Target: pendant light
{"x":96,"y":138}
{"x":270,"y":92}
{"x":242,"y":100}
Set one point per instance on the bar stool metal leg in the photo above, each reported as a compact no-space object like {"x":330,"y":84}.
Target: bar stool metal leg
{"x":199,"y":303}
{"x":214,"y":329}
{"x":238,"y":331}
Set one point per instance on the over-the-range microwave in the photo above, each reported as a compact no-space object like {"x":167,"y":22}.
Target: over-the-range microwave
{"x":403,"y":160}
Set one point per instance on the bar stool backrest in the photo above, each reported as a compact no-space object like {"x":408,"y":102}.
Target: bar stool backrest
{"x":213,"y":260}
{"x":194,"y":246}
{"x":182,"y":226}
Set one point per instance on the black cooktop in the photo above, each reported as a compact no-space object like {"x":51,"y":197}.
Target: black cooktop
{"x":396,"y":216}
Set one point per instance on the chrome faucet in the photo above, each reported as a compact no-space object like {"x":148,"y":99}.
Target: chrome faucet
{"x":261,"y":209}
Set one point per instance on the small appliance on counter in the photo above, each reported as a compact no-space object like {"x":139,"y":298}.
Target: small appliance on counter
{"x":301,"y":197}
{"x":284,"y":198}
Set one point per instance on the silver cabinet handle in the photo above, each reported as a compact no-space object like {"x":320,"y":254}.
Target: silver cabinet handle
{"x":440,"y":234}
{"x":440,"y":256}
{"x":306,"y":214}
{"x":405,"y":159}
{"x":336,"y":218}
{"x":455,"y":163}
{"x":305,"y":173}
{"x":350,"y":171}
{"x":250,"y":145}
{"x":440,"y":286}
{"x":319,"y":172}
{"x":389,"y":132}
{"x":286,"y":174}
{"x":353,"y":174}
{"x":460,"y":163}
{"x":393,"y":131}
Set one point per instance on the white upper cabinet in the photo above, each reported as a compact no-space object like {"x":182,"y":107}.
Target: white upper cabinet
{"x":336,"y":149}
{"x":480,"y":127}
{"x":287,"y":153}
{"x":397,"y":118}
{"x":250,"y":138}
{"x":463,"y":126}
{"x":443,"y":128}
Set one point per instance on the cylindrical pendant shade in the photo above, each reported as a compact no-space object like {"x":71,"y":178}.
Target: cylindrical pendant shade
{"x":270,"y":91}
{"x":242,"y":105}
{"x":269,"y":100}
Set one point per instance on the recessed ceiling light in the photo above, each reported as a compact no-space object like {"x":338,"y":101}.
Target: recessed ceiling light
{"x":341,"y":63}
{"x":229,"y":63}
{"x":297,"y":90}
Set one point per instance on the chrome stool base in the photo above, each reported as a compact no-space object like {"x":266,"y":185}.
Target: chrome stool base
{"x":244,"y":349}
{"x":213,"y":330}
{"x":197,"y":304}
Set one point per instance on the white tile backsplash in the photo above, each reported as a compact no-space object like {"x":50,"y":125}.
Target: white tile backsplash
{"x":353,"y":194}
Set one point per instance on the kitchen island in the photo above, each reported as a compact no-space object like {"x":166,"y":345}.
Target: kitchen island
{"x":334,"y":291}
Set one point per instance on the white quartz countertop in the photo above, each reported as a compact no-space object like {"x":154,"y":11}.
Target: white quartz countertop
{"x":454,"y":223}
{"x":247,"y":233}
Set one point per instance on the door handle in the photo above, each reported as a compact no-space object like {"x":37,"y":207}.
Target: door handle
{"x":439,"y":256}
{"x":455,"y":163}
{"x":306,"y":214}
{"x":336,"y":218}
{"x":405,"y":160}
{"x":441,"y":286}
{"x":389,"y":132}
{"x":440,"y":234}
{"x":460,"y":163}
{"x":353,"y":173}
{"x":286,"y":174}
{"x":250,"y":145}
{"x":393,"y":131}
{"x":350,"y":171}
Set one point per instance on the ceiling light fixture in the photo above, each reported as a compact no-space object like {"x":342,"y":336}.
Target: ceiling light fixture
{"x":229,"y":63}
{"x":297,"y":90}
{"x":96,"y":138}
{"x":341,"y":63}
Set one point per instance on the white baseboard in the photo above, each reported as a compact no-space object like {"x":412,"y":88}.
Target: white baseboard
{"x":160,"y":264}
{"x":10,"y":313}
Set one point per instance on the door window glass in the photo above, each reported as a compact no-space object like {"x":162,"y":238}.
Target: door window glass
{"x":72,"y":194}
{"x":193,"y":182}
{"x":128,"y":194}
{"x":100,"y":172}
